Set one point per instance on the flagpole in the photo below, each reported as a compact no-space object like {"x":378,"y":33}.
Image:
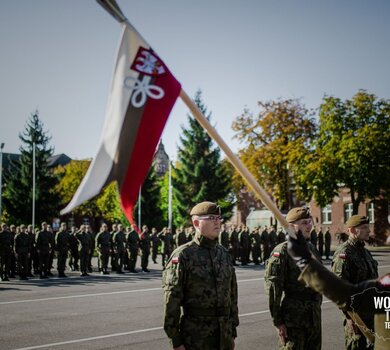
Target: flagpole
{"x":33,"y":190}
{"x":256,"y":188}
{"x":170,"y":197}
{"x":139,"y":208}
{"x":113,"y":9}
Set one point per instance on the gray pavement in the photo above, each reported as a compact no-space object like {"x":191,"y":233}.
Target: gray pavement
{"x":125,"y":312}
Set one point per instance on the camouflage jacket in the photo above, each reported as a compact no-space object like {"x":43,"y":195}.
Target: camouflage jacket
{"x":103,"y":240}
{"x":200,"y":296}
{"x":354,"y":263}
{"x":22,"y":243}
{"x":290,"y":301}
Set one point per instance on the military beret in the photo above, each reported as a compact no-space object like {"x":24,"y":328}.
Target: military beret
{"x":356,"y":220}
{"x":296,"y":214}
{"x":206,"y":208}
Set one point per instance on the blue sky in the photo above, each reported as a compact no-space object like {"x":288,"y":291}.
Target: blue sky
{"x":57,"y":56}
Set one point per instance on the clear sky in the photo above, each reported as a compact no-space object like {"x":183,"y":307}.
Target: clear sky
{"x":57,"y":56}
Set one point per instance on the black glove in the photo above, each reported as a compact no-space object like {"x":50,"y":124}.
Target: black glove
{"x":299,"y":250}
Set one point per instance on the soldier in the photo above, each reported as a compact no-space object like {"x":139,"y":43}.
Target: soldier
{"x":295,"y":309}
{"x":328,"y":241}
{"x":155,"y":240}
{"x":92,"y":236}
{"x":235,"y":245}
{"x":74,"y":250}
{"x":113,"y":257}
{"x":244,"y":246}
{"x":33,"y":263}
{"x":51,"y":254}
{"x":144,"y":244}
{"x":12,"y":273}
{"x":320,"y":240}
{"x":84,"y":243}
{"x":132,"y":244}
{"x":354,"y":263}
{"x":200,"y":288}
{"x":22,"y":248}
{"x":273,"y":238}
{"x":44,"y":246}
{"x":356,"y":298}
{"x":256,"y":246}
{"x":6,"y":246}
{"x":224,"y":237}
{"x":119,"y":247}
{"x":62,"y":247}
{"x":265,"y":244}
{"x":281,"y":235}
{"x":180,"y":237}
{"x":166,"y":238}
{"x":103,"y":246}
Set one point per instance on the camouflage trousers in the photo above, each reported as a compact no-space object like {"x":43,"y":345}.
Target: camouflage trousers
{"x":302,"y":339}
{"x":355,"y":341}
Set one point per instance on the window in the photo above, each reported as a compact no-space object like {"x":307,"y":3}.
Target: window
{"x":326,"y":215}
{"x":348,"y":210}
{"x":370,"y":212}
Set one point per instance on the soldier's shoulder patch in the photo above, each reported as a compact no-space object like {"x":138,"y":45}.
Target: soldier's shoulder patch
{"x":343,"y":256}
{"x":276,"y":254}
{"x":385,"y":280}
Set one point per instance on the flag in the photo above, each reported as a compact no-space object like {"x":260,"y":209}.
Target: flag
{"x":141,"y":98}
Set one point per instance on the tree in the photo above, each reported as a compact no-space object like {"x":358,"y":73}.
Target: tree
{"x":351,"y":150}
{"x":200,"y":175}
{"x":151,"y":214}
{"x":276,"y":139}
{"x":18,"y":193}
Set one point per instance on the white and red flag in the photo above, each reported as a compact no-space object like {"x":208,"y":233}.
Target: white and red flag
{"x":142,"y":96}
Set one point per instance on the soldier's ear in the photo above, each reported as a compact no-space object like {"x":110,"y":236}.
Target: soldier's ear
{"x":195,"y":221}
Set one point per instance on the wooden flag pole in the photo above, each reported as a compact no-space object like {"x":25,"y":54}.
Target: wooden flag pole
{"x":256,"y":188}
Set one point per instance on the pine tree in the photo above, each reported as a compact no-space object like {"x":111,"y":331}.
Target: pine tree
{"x":151,"y":214}
{"x":18,"y":193}
{"x":200,"y":175}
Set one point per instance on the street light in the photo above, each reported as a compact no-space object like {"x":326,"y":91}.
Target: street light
{"x":1,"y":175}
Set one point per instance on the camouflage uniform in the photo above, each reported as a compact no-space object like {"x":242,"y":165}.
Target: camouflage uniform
{"x":224,"y":239}
{"x":354,"y":263}
{"x":256,"y":246}
{"x":292,"y":303}
{"x":119,"y":246}
{"x":132,"y":245}
{"x":62,"y":246}
{"x":6,"y":246}
{"x":200,"y":293}
{"x":328,"y":241}
{"x":103,"y":246}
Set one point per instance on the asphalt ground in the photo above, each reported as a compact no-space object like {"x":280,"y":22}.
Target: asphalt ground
{"x":125,"y":312}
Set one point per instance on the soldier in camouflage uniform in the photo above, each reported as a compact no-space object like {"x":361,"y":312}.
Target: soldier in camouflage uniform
{"x":245,"y":244}
{"x":166,"y":239}
{"x":22,"y":248}
{"x":119,"y":247}
{"x":256,"y":246}
{"x":144,"y":244}
{"x":6,"y":246}
{"x":132,"y":245}
{"x":358,"y":298}
{"x":265,"y":244}
{"x":73,"y":250}
{"x":44,"y":245}
{"x":62,"y":247}
{"x":354,"y":263}
{"x":224,"y":237}
{"x":200,"y":288}
{"x":328,"y":241}
{"x":84,"y":243}
{"x":295,"y":309}
{"x":103,"y":246}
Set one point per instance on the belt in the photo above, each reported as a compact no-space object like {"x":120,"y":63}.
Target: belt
{"x":210,"y":312}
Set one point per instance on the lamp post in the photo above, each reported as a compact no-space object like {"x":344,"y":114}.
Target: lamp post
{"x":1,"y":175}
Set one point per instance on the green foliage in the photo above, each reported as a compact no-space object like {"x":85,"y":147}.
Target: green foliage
{"x":18,"y":193}
{"x":351,"y":150}
{"x":151,"y":214}
{"x":276,"y":141}
{"x":200,"y":176}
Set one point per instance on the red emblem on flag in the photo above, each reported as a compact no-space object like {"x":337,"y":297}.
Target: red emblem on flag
{"x":146,"y":62}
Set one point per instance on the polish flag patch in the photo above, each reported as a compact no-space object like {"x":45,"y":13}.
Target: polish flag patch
{"x":385,"y":280}
{"x":343,"y":256}
{"x":175,"y":260}
{"x":276,"y":254}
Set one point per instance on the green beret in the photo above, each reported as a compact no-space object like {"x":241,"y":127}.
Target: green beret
{"x":206,"y":208}
{"x":296,"y":214}
{"x":356,"y":220}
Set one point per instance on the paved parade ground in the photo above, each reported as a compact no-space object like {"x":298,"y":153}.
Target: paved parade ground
{"x":125,"y":312}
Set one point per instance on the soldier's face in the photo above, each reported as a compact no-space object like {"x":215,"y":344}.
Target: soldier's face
{"x":305,"y":226}
{"x":208,"y":226}
{"x":362,"y":232}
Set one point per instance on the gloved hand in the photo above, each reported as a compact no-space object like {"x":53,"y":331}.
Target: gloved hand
{"x":299,"y":250}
